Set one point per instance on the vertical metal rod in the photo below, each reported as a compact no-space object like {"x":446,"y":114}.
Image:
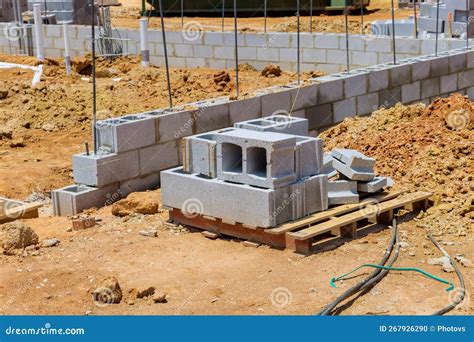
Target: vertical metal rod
{"x":182,"y":14}
{"x":38,"y":32}
{"x":94,"y":88}
{"x":414,"y":18}
{"x":467,"y":24}
{"x":265,"y":16}
{"x":437,"y":28}
{"x":361,"y":16}
{"x":298,"y":40}
{"x":166,"y":54}
{"x":236,"y":51}
{"x":67,"y":54}
{"x":311,"y":16}
{"x":393,"y":35}
{"x":143,"y":7}
{"x":223,"y":14}
{"x":347,"y":35}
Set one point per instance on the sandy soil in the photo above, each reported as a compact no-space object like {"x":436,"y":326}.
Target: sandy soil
{"x":127,"y":15}
{"x":421,"y":148}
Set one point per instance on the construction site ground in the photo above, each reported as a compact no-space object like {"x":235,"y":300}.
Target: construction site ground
{"x":43,"y":126}
{"x":128,"y":13}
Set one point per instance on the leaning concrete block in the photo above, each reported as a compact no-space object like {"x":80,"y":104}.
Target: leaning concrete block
{"x":308,"y":156}
{"x":278,"y":124}
{"x":126,"y":133}
{"x":342,"y":192}
{"x":104,"y":169}
{"x":377,"y":184}
{"x":264,"y":159}
{"x":73,"y":199}
{"x":353,"y":164}
{"x":315,"y":194}
{"x":351,"y":173}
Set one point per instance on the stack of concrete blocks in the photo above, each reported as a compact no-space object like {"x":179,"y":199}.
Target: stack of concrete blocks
{"x":356,"y":175}
{"x":257,"y":173}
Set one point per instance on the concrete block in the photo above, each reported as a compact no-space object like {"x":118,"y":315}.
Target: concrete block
{"x":470,"y":93}
{"x":366,"y":104}
{"x":319,"y":116}
{"x":203,"y":51}
{"x":126,"y":133}
{"x":448,"y":83}
{"x":211,"y":116}
{"x":411,"y":92}
{"x":430,"y":88}
{"x":429,"y":24}
{"x":171,"y":126}
{"x":73,"y":199}
{"x":364,"y":58}
{"x":104,"y":169}
{"x":390,"y":97}
{"x":275,"y":102}
{"x":337,"y":56}
{"x":408,"y":45}
{"x":400,"y":74}
{"x":342,"y":192}
{"x":457,"y":62}
{"x":328,"y":168}
{"x":278,"y":39}
{"x":326,"y":41}
{"x":150,"y":182}
{"x":213,"y":38}
{"x":268,"y":54}
{"x":377,"y":184}
{"x":313,"y":55}
{"x":308,"y":156}
{"x":439,"y":66}
{"x":355,"y":84}
{"x":263,"y":159}
{"x":156,"y":158}
{"x":378,"y":79}
{"x":465,"y":79}
{"x":344,"y":109}
{"x":304,"y":97}
{"x":246,"y":109}
{"x":379,"y":44}
{"x":315,"y":194}
{"x":199,"y":153}
{"x":421,"y":69}
{"x":278,"y":124}
{"x":330,"y":89}
{"x":225,"y":52}
{"x":257,"y":40}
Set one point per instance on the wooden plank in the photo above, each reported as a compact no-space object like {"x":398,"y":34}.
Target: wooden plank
{"x":327,"y":214}
{"x":358,"y":215}
{"x":18,"y":212}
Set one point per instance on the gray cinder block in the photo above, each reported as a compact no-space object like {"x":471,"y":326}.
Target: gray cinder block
{"x":126,"y":133}
{"x":103,"y":169}
{"x":309,"y":156}
{"x":353,"y":164}
{"x":328,"y":168}
{"x":342,"y":192}
{"x":315,"y":194}
{"x":199,"y":153}
{"x":144,"y":183}
{"x":73,"y":199}
{"x":159,"y":157}
{"x":264,"y":159}
{"x":277,"y":123}
{"x":377,"y":184}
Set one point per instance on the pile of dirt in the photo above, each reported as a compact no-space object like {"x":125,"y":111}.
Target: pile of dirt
{"x":424,"y":148}
{"x":16,"y":235}
{"x":321,"y":24}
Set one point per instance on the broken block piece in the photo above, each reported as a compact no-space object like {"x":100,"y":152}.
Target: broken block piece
{"x":376,"y":184}
{"x":342,"y":192}
{"x":308,"y":156}
{"x":353,"y":164}
{"x":328,"y":168}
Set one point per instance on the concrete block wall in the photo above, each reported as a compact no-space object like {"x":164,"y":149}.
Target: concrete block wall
{"x":320,"y":51}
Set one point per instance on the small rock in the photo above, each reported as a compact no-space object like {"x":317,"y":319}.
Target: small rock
{"x":48,"y":127}
{"x":17,"y":143}
{"x":404,"y":244}
{"x":50,"y":242}
{"x":149,"y":232}
{"x":108,"y":292}
{"x":146,"y":292}
{"x":444,"y":262}
{"x":159,"y":297}
{"x":16,"y":235}
{"x":47,"y":296}
{"x":463,"y":261}
{"x":3,"y":94}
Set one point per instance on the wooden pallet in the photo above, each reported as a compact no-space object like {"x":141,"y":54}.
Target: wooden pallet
{"x":340,"y":222}
{"x":11,"y":210}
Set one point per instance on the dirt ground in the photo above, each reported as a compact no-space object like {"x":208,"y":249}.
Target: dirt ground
{"x":42,"y":127}
{"x":128,"y":14}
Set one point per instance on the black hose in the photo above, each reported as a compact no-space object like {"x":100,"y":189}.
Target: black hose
{"x":462,"y":294}
{"x":356,"y":288}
